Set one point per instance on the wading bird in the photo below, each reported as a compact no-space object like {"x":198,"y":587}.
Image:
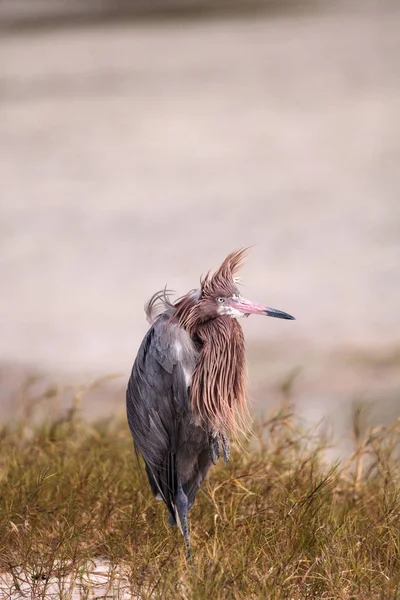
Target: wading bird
{"x":187,"y":389}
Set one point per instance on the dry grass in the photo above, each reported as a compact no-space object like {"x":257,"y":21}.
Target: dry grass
{"x":278,"y":523}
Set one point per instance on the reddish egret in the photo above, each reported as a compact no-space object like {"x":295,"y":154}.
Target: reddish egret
{"x":187,"y":389}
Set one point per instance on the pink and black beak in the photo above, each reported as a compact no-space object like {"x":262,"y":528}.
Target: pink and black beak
{"x":252,"y":308}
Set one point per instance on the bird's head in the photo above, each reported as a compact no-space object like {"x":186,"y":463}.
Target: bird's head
{"x":220,"y":294}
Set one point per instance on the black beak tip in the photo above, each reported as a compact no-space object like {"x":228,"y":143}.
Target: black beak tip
{"x":285,"y":316}
{"x":279,"y":314}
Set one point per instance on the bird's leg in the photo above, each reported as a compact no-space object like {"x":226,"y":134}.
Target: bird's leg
{"x":214,"y":447}
{"x":226,"y":447}
{"x":182,"y":507}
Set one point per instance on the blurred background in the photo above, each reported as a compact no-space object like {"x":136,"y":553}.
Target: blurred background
{"x":139,"y":145}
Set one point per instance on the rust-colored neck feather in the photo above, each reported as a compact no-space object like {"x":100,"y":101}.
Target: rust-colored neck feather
{"x":218,"y":387}
{"x":218,"y":390}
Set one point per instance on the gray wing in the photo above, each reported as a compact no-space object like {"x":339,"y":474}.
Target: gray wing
{"x":157,"y":402}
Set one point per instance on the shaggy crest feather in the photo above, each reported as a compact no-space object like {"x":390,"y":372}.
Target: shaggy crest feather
{"x":224,"y":280}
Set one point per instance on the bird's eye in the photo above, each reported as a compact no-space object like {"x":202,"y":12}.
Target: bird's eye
{"x":220,"y":299}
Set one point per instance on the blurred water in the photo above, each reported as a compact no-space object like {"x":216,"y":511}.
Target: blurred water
{"x":138,"y":154}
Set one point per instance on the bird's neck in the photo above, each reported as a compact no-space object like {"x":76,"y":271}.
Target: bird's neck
{"x":218,"y":388}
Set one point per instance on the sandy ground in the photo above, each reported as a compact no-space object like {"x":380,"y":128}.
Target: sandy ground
{"x":94,"y":580}
{"x":138,"y":154}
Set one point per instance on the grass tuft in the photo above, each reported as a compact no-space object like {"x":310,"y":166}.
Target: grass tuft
{"x":277,"y":523}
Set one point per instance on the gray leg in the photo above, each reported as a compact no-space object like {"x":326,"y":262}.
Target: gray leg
{"x":214,"y":447}
{"x":182,"y":507}
{"x":226,"y":447}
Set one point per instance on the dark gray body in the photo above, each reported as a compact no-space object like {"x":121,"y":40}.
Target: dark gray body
{"x":175,"y":449}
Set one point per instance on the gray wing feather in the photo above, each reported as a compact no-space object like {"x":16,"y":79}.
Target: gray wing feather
{"x":157,"y":402}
